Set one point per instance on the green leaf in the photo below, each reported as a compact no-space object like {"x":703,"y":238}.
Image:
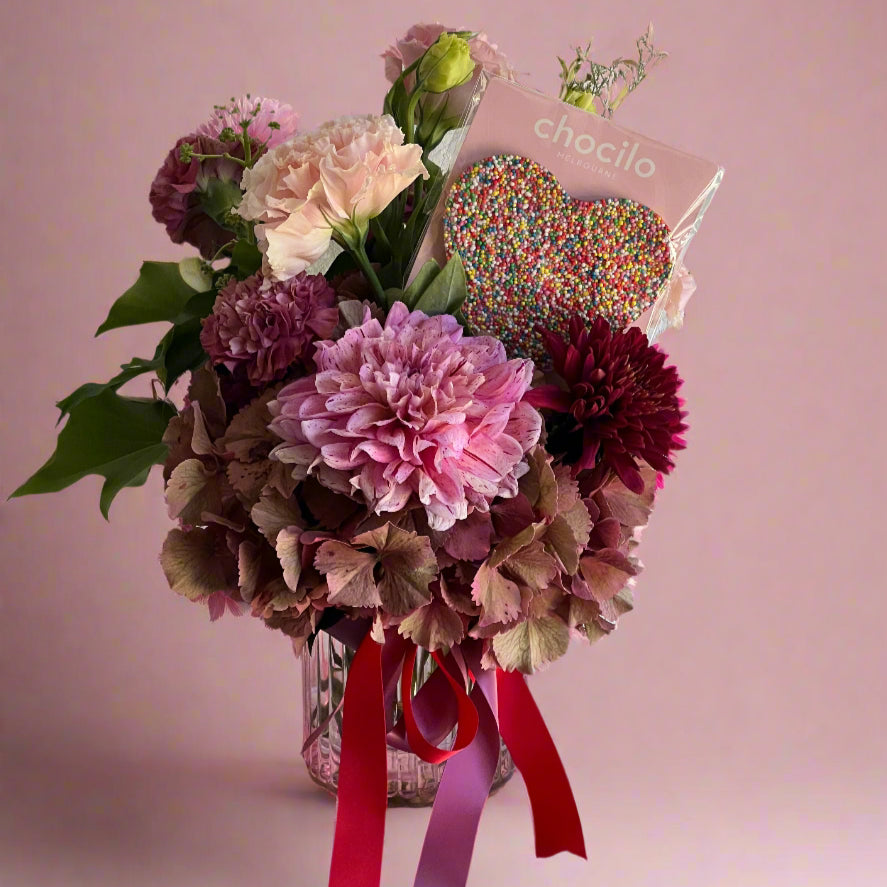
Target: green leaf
{"x":218,"y":198}
{"x":446,"y":293}
{"x":130,"y":473}
{"x":199,"y":305}
{"x":118,"y":438}
{"x":420,"y":215}
{"x":245,"y":258}
{"x":183,"y":351}
{"x":427,"y":273}
{"x":136,"y":367}
{"x":160,"y":293}
{"x":391,"y":276}
{"x":397,"y":100}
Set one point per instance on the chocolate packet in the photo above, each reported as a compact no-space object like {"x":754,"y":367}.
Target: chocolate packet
{"x":555,"y":211}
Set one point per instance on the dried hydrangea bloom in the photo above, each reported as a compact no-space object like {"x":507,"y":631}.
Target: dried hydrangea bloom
{"x":412,"y":413}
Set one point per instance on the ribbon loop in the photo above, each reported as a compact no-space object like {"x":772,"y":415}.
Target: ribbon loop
{"x":467,"y":721}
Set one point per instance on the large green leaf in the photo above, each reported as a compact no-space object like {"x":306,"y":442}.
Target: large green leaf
{"x":178,"y":351}
{"x":446,"y":293}
{"x":160,"y":293}
{"x":118,"y":438}
{"x":136,"y":367}
{"x":245,"y":258}
{"x":200,"y":305}
{"x":183,"y":351}
{"x":423,"y":279}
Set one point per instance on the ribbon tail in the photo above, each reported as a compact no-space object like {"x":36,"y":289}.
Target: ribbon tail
{"x":463,"y":791}
{"x":363,"y":775}
{"x":555,"y":817}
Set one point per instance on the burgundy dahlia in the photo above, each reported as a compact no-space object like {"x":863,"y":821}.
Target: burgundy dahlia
{"x":619,"y":405}
{"x":262,"y":331}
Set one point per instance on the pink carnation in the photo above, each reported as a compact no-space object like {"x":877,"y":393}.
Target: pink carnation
{"x":259,"y":129}
{"x":266,"y":331}
{"x":412,"y":413}
{"x":420,"y":37}
{"x":338,"y":176}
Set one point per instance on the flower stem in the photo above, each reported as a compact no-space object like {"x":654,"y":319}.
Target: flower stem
{"x":247,"y":146}
{"x":225,"y":156}
{"x":363,"y":260}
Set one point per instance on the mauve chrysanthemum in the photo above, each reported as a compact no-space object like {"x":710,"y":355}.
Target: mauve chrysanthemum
{"x":267,"y":330}
{"x":258,"y":113}
{"x":620,"y":402}
{"x":411,"y":413}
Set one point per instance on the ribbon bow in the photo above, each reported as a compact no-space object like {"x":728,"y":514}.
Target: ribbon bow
{"x":499,"y":704}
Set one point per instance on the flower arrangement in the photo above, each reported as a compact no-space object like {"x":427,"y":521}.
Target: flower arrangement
{"x":348,"y":451}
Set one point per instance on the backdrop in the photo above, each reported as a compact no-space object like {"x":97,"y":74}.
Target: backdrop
{"x":731,"y":733}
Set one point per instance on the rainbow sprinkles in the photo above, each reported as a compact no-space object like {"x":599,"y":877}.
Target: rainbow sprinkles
{"x":535,"y":257}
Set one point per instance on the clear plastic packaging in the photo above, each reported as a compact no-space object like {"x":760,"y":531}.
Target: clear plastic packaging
{"x":592,"y":159}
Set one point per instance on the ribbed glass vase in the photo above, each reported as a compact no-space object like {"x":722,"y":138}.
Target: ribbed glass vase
{"x":411,"y":781}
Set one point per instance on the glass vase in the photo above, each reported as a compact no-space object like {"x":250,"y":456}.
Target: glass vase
{"x":412,"y":782}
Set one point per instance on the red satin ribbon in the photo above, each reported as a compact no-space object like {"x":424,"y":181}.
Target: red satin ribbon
{"x":360,"y":816}
{"x":467,"y":718}
{"x":363,"y":775}
{"x":555,"y":816}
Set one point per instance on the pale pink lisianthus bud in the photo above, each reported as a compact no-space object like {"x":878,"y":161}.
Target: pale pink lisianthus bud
{"x":259,"y":113}
{"x":420,"y":37}
{"x":412,"y":412}
{"x":266,"y":330}
{"x":338,"y":176}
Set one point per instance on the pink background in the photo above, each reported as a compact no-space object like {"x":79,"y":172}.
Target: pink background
{"x":731,"y":734}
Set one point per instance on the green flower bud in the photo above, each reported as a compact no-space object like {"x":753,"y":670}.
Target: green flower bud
{"x":581,"y":99}
{"x":446,"y":64}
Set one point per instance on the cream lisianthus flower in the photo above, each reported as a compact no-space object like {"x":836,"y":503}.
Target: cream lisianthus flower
{"x":328,"y":182}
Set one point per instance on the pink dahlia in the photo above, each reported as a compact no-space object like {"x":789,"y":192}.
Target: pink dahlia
{"x":259,"y":114}
{"x":411,"y":413}
{"x":267,"y":330}
{"x":618,"y":402}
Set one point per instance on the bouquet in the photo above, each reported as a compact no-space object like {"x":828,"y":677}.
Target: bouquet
{"x":352,"y":452}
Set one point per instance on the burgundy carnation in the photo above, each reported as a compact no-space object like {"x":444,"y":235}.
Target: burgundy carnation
{"x":620,"y":403}
{"x":264,"y":331}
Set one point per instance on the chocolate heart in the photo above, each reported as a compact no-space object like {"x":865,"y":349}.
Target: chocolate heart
{"x":534,"y":257}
